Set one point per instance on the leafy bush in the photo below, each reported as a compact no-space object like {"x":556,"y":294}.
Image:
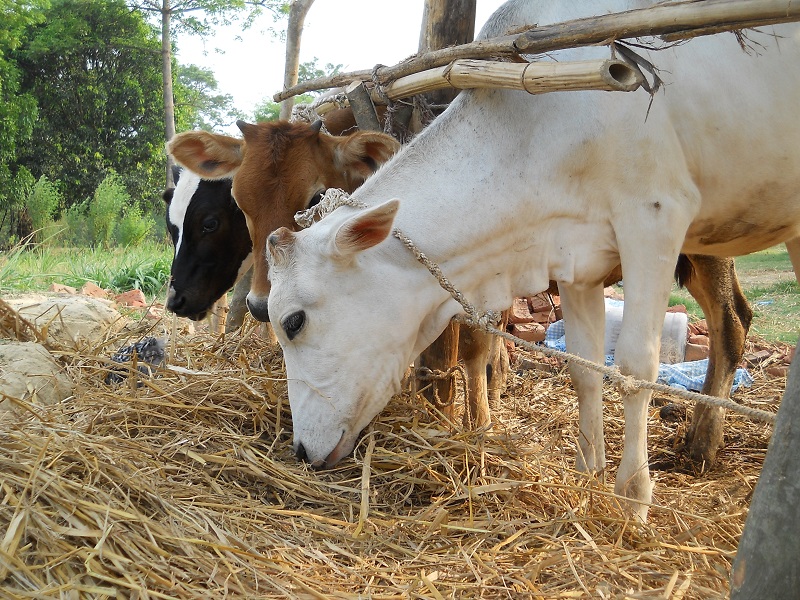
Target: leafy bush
{"x":109,"y":199}
{"x":134,"y":227}
{"x":149,"y":276}
{"x":42,"y":204}
{"x":72,"y":229}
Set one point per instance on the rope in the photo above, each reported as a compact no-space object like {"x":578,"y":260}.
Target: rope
{"x":486,"y":321}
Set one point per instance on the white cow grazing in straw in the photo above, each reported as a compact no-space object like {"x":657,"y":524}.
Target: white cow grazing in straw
{"x":506,"y":191}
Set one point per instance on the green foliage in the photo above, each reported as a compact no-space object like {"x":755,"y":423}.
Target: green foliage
{"x":267,"y":110}
{"x":94,"y":68}
{"x":198,"y":105}
{"x":42,"y":204}
{"x":72,"y":229}
{"x":134,"y":227}
{"x":110,"y":198}
{"x":118,"y":269}
{"x":150,"y":276}
{"x":311,"y":70}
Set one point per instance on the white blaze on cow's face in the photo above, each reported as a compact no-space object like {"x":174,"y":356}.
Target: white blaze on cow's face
{"x":176,"y":214}
{"x":345,"y":349}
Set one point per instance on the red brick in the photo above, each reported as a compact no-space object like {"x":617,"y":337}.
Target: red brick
{"x":62,"y":289}
{"x":700,"y":340}
{"x":93,"y":290}
{"x":519,"y":312}
{"x":695,"y":352}
{"x":134,"y":298}
{"x":678,"y":308}
{"x":698,"y":328}
{"x":777,"y":370}
{"x":530,"y":332}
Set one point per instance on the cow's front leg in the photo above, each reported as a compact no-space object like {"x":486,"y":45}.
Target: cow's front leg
{"x":647,"y":286}
{"x":584,"y":322}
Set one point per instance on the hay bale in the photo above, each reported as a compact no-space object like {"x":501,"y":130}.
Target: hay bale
{"x":187,"y":487}
{"x":30,"y":376}
{"x":66,"y":320}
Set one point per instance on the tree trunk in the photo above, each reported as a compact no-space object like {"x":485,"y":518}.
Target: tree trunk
{"x":446,"y":23}
{"x":166,"y":74}
{"x":767,"y":561}
{"x":294,"y":31}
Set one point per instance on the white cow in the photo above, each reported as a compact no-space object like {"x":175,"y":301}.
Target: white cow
{"x":506,"y":191}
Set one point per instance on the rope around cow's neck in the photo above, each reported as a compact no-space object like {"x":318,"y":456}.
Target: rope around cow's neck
{"x":626,"y":384}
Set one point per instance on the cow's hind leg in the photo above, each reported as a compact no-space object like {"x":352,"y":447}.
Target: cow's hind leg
{"x":474,"y":348}
{"x":713,"y":283}
{"x":584,"y":322}
{"x":793,"y":246}
{"x":440,"y":356}
{"x":497,"y":367}
{"x":238,"y":302}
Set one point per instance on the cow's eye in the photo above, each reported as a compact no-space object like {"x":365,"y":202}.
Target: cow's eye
{"x":294,"y":323}
{"x":210,"y":225}
{"x":315,"y":199}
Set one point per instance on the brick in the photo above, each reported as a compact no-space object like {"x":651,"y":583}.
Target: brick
{"x":519,"y":312}
{"x":757,"y":358}
{"x":678,"y":308}
{"x":93,"y":290}
{"x":530,"y":332}
{"x":60,"y":288}
{"x":777,"y":370}
{"x":695,"y":352}
{"x":700,"y":340}
{"x":133,"y":298}
{"x":698,"y":328}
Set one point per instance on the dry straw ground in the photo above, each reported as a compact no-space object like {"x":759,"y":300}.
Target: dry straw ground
{"x":186,"y":487}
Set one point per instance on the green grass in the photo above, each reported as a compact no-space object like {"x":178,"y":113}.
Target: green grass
{"x":769,"y":285}
{"x":766,"y":279}
{"x":118,"y":269}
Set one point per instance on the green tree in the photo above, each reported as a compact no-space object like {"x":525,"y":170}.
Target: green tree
{"x":93,"y":66}
{"x":198,"y":105}
{"x":267,"y":110}
{"x":197,"y":17}
{"x":17,"y":108}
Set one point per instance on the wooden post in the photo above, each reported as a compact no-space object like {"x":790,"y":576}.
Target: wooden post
{"x":767,"y":564}
{"x":362,"y":107}
{"x":446,"y":23}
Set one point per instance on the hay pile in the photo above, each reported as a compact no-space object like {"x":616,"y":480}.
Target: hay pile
{"x":186,"y":487}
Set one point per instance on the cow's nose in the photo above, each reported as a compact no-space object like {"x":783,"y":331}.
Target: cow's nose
{"x":258,"y":309}
{"x":176,"y":302}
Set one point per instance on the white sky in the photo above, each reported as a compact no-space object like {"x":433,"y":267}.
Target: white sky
{"x":355,"y":33}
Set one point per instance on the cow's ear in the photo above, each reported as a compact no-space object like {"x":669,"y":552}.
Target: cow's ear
{"x":279,"y":245}
{"x":366,"y":229}
{"x":168,"y":194}
{"x":210,"y":155}
{"x":361,"y":153}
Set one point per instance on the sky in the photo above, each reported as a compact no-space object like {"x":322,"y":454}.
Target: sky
{"x":358,"y":34}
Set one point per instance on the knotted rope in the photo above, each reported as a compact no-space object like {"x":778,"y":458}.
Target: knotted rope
{"x":626,"y":384}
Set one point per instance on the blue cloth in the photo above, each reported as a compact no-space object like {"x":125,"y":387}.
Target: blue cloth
{"x":684,"y":376}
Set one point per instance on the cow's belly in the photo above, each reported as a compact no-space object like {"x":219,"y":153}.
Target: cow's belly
{"x":734,"y":238}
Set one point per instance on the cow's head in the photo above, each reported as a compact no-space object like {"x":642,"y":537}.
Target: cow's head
{"x":350,"y":310}
{"x":212,"y":246}
{"x":278,"y":169}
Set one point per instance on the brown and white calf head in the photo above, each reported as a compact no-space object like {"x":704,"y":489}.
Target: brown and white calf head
{"x":278,"y":169}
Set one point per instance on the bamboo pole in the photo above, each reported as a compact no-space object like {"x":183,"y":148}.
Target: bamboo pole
{"x":362,"y":106}
{"x":678,"y":20}
{"x":534,"y":78}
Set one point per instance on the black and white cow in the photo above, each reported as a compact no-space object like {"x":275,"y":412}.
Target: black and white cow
{"x":212,"y":245}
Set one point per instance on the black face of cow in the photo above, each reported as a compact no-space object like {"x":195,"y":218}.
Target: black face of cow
{"x":212,"y":244}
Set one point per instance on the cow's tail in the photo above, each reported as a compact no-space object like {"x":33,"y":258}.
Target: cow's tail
{"x":684,"y":270}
